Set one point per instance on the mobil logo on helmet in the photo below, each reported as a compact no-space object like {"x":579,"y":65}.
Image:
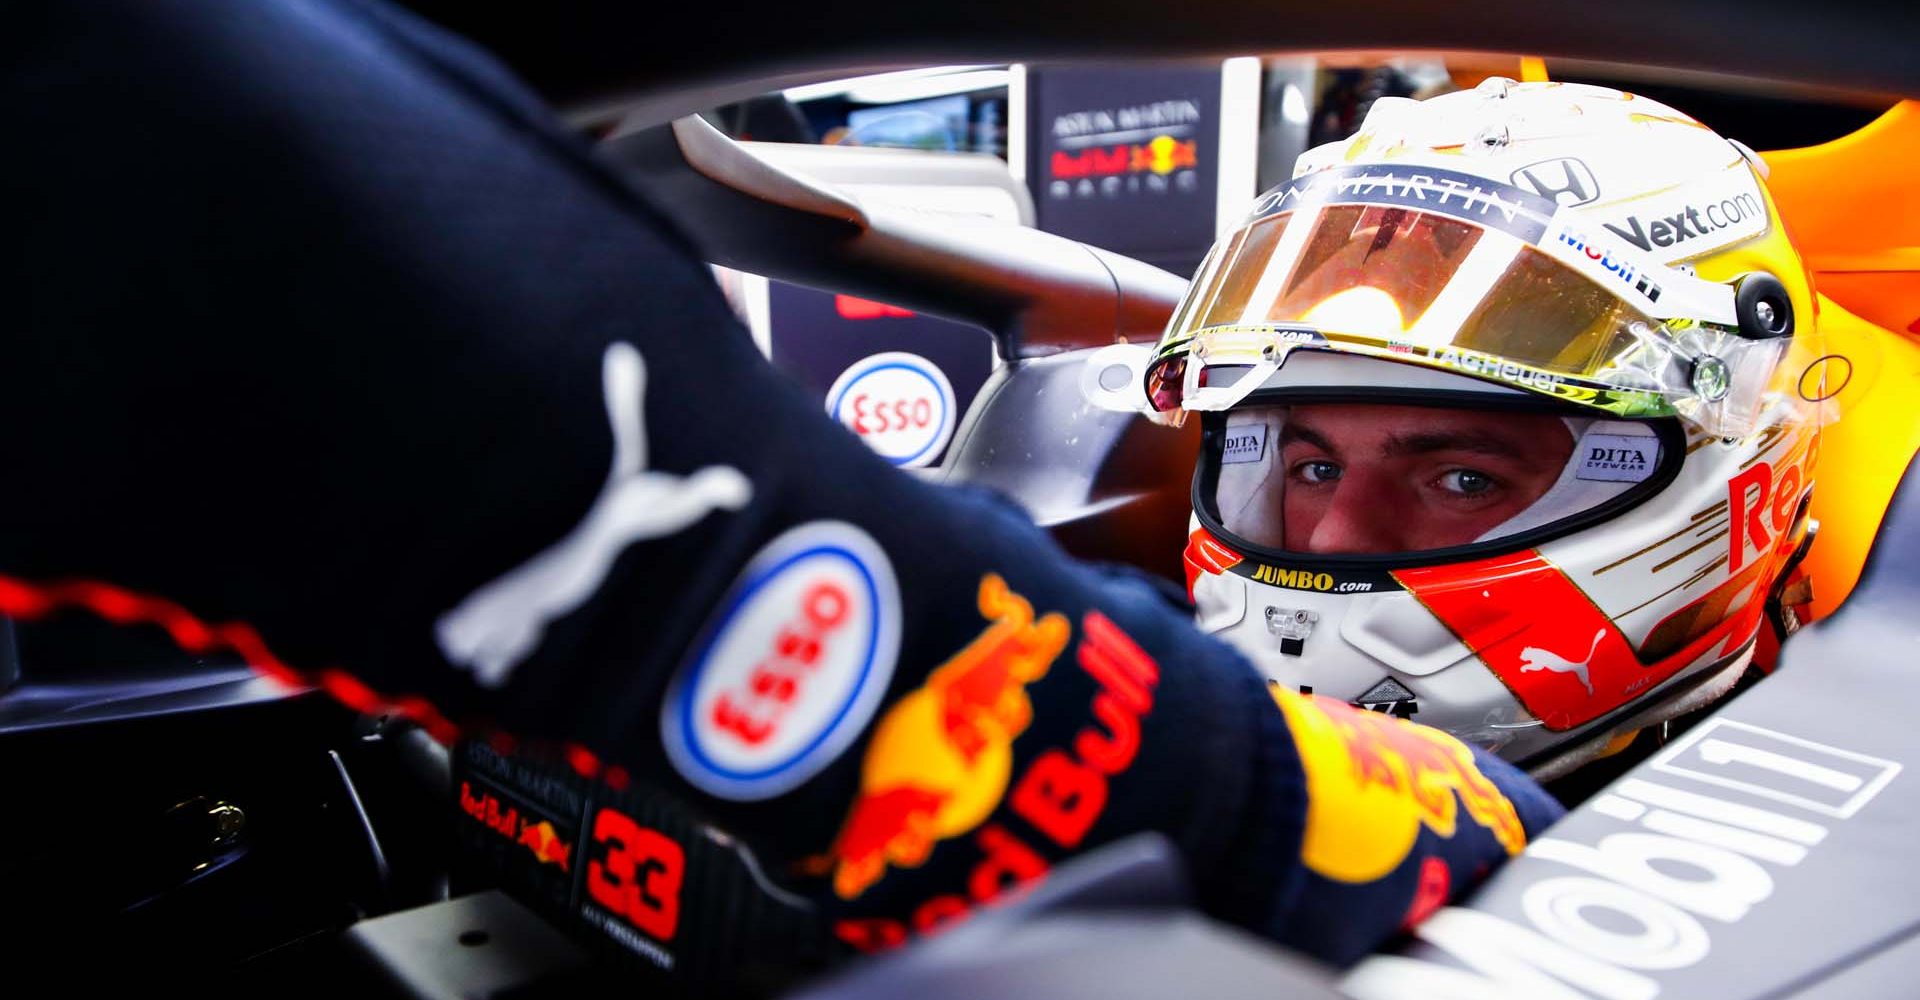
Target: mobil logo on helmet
{"x":1596,"y":256}
{"x":900,"y":404}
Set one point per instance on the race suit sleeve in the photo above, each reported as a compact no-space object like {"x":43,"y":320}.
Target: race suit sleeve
{"x":327,"y":346}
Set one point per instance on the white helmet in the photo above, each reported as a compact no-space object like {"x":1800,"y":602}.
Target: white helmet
{"x":1504,"y":423}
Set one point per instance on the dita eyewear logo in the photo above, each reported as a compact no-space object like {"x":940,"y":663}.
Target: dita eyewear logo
{"x":1567,"y":181}
{"x":1616,"y":458}
{"x":1246,"y":443}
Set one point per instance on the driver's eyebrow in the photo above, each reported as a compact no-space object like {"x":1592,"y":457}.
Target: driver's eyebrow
{"x":1291,"y":432}
{"x":1428,"y":442}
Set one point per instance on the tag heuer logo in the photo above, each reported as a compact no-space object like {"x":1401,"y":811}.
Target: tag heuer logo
{"x":1566,"y":180}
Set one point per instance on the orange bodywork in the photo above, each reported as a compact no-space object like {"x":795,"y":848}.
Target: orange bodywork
{"x":1850,"y":206}
{"x":1851,"y":212}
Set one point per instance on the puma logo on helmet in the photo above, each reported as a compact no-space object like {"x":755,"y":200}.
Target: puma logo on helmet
{"x":1534,"y":658}
{"x":502,"y":623}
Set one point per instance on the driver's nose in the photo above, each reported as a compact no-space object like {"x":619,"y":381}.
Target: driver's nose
{"x":1362,"y":518}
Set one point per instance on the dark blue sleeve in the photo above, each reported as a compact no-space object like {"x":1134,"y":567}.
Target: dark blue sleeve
{"x":327,"y":347}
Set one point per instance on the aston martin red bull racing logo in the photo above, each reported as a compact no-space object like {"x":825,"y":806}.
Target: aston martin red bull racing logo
{"x":534,"y":833}
{"x":1373,"y":782}
{"x":941,"y":757}
{"x":1161,"y":156}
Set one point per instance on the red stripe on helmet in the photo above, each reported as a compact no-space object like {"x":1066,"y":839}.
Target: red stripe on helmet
{"x":1560,"y":654}
{"x":1205,"y":554}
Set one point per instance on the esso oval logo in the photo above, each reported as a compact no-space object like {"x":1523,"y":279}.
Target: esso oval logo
{"x":791,"y":667}
{"x":900,"y":404}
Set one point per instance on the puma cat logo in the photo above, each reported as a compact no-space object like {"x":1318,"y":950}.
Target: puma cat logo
{"x":1534,"y":658}
{"x":501,"y":624}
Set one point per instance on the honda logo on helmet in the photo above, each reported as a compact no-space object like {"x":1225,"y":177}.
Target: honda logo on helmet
{"x":1566,"y":180}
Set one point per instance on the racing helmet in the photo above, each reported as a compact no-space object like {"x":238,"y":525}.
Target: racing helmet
{"x":1509,"y":408}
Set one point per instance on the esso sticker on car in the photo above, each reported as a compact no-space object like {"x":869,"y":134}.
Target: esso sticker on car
{"x":791,"y":667}
{"x":900,"y":404}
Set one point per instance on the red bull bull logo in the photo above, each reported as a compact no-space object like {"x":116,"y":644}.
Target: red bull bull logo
{"x":546,"y":844}
{"x":942,"y":756}
{"x":1061,"y":794}
{"x":1374,"y":781}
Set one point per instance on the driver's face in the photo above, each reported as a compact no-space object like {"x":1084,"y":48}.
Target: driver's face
{"x":1362,"y":478}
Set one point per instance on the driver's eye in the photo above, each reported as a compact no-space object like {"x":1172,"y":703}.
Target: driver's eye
{"x":1466,"y":482}
{"x":1317,"y":472}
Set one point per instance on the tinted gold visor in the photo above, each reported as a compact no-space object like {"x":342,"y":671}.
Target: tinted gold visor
{"x":1543,"y":307}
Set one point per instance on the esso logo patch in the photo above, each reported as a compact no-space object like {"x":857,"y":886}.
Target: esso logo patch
{"x":791,"y":667}
{"x":900,"y":404}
